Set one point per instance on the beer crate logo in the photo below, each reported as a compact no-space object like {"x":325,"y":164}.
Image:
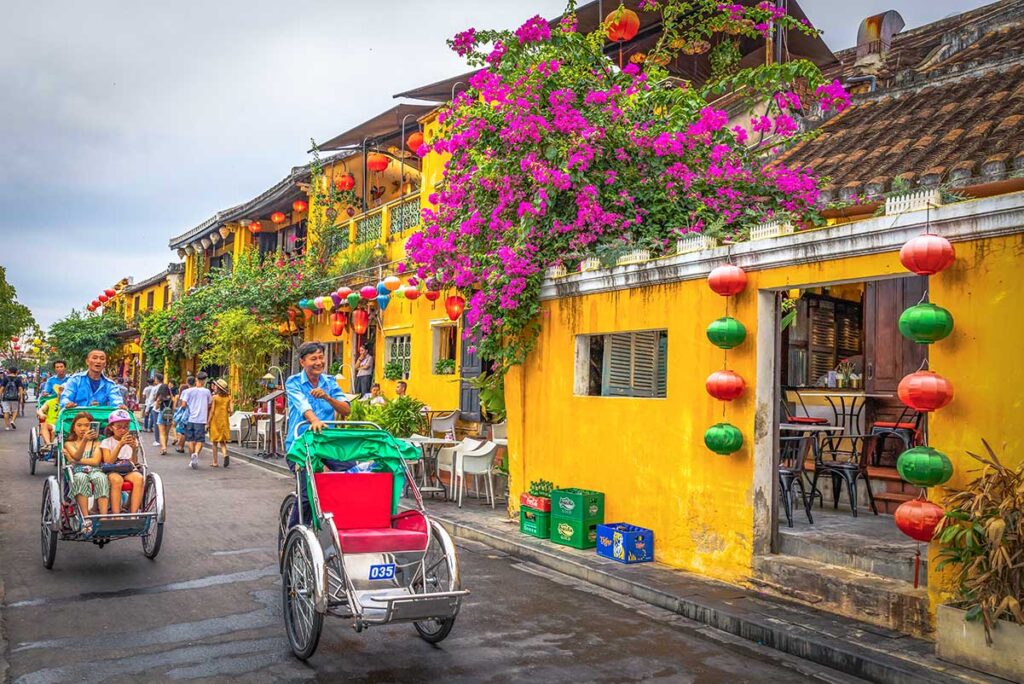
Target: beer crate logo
{"x":593,"y":509}
{"x":566,"y":504}
{"x":565,"y":530}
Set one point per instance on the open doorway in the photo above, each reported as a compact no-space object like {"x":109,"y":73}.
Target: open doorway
{"x":841,"y":426}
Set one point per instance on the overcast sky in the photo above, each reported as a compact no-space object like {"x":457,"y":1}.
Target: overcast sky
{"x":123,"y":124}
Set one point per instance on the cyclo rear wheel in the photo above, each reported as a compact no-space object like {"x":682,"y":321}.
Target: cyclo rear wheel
{"x":48,"y":537}
{"x":441,"y":574}
{"x":155,"y":533}
{"x":283,"y":518}
{"x":298,"y":592}
{"x":33,"y":449}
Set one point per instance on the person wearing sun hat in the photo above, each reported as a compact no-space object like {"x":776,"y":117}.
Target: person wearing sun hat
{"x":121,"y":459}
{"x":220,"y":425}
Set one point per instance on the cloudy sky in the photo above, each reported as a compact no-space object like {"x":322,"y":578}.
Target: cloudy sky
{"x":125,"y":123}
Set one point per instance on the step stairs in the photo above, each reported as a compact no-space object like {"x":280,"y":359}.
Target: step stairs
{"x":889,"y":603}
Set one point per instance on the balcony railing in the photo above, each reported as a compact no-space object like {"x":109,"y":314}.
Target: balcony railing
{"x":396,"y":219}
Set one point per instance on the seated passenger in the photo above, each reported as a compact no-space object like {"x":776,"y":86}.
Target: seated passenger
{"x":47,"y":414}
{"x":85,"y":456}
{"x":121,"y":448}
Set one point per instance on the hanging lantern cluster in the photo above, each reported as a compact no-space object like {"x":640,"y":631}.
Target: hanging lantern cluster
{"x":101,"y":300}
{"x":924,"y":391}
{"x":725,"y":333}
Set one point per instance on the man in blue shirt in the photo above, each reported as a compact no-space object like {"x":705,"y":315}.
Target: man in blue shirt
{"x":91,"y":387}
{"x":59,"y":377}
{"x":314,"y":397}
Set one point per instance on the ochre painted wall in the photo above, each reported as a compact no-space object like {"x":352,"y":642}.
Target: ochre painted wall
{"x":648,"y":455}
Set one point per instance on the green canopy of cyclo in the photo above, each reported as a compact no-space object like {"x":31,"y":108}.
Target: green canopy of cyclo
{"x":356,"y":445}
{"x":98,"y":413}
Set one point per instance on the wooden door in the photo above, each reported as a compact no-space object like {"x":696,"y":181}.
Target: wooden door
{"x":888,"y":355}
{"x":469,"y":398}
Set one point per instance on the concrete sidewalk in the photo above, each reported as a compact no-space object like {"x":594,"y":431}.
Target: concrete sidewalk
{"x":856,"y":648}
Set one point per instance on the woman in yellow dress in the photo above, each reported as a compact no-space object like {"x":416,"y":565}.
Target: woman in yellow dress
{"x":220,"y":428}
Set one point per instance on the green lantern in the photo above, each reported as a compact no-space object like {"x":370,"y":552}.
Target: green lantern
{"x":723,"y":438}
{"x":354,"y":299}
{"x":726,"y":333}
{"x":924,"y":466}
{"x":926,"y":323}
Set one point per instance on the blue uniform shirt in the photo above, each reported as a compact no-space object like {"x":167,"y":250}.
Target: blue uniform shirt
{"x":298,"y":387}
{"x":78,"y":389}
{"x":51,"y":383}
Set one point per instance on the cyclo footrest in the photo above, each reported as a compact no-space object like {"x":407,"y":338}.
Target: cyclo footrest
{"x":410,"y":607}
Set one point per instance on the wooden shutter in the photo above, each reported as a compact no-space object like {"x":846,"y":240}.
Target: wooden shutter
{"x":618,"y":365}
{"x":822,"y":339}
{"x":662,"y":364}
{"x":645,"y":364}
{"x":634,"y":365}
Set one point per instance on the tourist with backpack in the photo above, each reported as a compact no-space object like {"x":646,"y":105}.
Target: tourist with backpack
{"x":11,"y":397}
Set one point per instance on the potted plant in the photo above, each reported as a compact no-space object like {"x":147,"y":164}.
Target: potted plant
{"x":402,"y":416}
{"x":444,"y":367}
{"x":981,"y":538}
{"x":394,"y":370}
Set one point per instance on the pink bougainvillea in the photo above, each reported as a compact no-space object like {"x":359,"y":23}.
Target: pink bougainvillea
{"x":554,"y":154}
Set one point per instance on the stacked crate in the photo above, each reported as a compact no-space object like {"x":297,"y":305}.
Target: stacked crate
{"x":535,"y":515}
{"x":575,"y":515}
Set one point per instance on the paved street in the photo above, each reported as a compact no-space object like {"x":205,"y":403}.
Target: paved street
{"x":209,"y":606}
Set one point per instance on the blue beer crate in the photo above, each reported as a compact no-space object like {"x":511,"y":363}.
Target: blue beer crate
{"x":625,"y":543}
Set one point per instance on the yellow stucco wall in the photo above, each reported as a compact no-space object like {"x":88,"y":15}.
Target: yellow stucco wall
{"x":648,"y":455}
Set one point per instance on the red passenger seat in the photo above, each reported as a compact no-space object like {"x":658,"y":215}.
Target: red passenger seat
{"x":361,"y":506}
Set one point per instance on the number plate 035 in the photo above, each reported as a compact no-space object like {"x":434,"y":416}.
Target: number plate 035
{"x":382,"y":572}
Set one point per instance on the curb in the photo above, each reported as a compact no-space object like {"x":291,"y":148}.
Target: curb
{"x":800,"y":637}
{"x":4,"y":663}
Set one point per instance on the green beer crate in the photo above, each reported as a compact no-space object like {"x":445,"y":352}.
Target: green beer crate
{"x":581,"y":505}
{"x":579,"y":534}
{"x":534,"y":523}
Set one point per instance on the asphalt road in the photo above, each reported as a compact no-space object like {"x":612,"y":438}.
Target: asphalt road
{"x":208,"y":607}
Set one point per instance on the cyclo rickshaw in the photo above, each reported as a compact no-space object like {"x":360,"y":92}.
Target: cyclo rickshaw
{"x":355,"y":555}
{"x":61,"y":517}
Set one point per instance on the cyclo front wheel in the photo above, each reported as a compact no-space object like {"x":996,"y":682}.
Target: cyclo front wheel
{"x":154,"y":535}
{"x":283,"y":518}
{"x":440,"y":573}
{"x":298,"y":592}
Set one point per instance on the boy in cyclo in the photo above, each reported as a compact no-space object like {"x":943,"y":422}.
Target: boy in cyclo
{"x":120,"y":461}
{"x":47,"y":415}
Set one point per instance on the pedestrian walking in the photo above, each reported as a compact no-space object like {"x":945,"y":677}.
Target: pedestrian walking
{"x":220,"y":426}
{"x":10,"y":397}
{"x":148,"y":416}
{"x":197,"y":400}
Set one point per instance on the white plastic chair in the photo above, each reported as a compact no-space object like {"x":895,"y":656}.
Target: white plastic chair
{"x":476,"y":462}
{"x":444,"y":426}
{"x":499,"y":430}
{"x":448,"y":461}
{"x":238,"y":422}
{"x":262,"y":431}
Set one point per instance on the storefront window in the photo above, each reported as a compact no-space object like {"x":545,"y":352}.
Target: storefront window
{"x":624,"y":364}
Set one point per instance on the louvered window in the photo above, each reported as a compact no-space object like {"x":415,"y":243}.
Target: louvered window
{"x":826,"y":331}
{"x":625,"y":364}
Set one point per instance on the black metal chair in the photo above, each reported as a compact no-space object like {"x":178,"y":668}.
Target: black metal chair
{"x":846,"y":466}
{"x":792,"y":452}
{"x":791,"y":416}
{"x":906,"y":428}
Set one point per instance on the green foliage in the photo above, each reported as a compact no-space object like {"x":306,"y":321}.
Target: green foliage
{"x":444,"y":367}
{"x":156,"y":330}
{"x":244,"y":342}
{"x":393,"y":370}
{"x":365,"y":411}
{"x":982,"y":538}
{"x":77,"y":334}
{"x":15,"y":318}
{"x":492,"y":395}
{"x":402,"y":416}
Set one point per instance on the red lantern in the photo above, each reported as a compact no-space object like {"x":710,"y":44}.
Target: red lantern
{"x":376,"y":161}
{"x":110,"y":293}
{"x":103,"y":298}
{"x":368,"y":292}
{"x":454,"y":305}
{"x":918,"y":519}
{"x":338,"y":322}
{"x":255,"y":227}
{"x":344,"y":292}
{"x":727,"y":280}
{"x":411,"y":292}
{"x":95,"y":305}
{"x":278,"y":217}
{"x":432,"y":295}
{"x":925,"y":391}
{"x":623,"y":24}
{"x":307,"y":313}
{"x":927,"y":254}
{"x":90,"y":308}
{"x":725,"y":385}
{"x":14,"y":338}
{"x":414,"y":141}
{"x":345,"y":182}
{"x":291,"y":315}
{"x":299,"y":206}
{"x":360,"y":321}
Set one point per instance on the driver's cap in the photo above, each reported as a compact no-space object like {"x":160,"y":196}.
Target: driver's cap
{"x":119,"y":416}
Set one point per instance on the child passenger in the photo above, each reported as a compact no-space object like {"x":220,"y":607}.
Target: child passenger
{"x":121,"y":448}
{"x":85,"y":455}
